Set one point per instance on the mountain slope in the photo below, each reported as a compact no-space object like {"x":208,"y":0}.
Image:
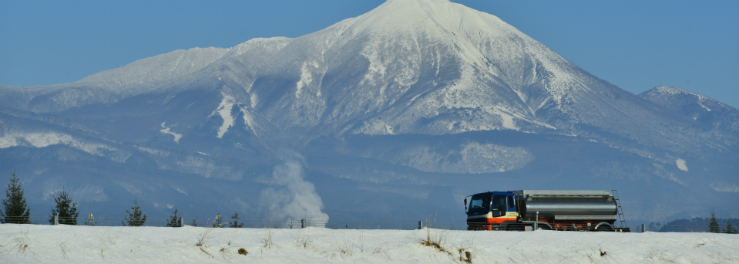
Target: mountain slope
{"x":112,"y":85}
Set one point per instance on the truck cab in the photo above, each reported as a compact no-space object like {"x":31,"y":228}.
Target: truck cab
{"x":490,"y":210}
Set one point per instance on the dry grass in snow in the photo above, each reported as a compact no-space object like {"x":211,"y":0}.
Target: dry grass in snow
{"x":95,"y":244}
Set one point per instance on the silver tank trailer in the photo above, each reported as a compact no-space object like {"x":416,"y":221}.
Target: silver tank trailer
{"x":550,"y":209}
{"x":567,"y":204}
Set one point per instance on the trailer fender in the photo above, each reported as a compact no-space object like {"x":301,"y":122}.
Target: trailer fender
{"x":604,"y":226}
{"x":544,"y":226}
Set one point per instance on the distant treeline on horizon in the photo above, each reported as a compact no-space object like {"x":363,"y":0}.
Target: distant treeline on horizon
{"x":697,"y":224}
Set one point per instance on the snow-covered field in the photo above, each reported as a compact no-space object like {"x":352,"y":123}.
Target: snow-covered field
{"x":84,"y":244}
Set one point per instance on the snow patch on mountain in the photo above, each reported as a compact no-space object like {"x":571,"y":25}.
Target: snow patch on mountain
{"x":306,"y":78}
{"x":681,"y":164}
{"x":508,"y":121}
{"x":166,"y":130}
{"x":224,"y":110}
{"x":128,"y":187}
{"x":45,"y":139}
{"x":198,"y":165}
{"x":156,"y":152}
{"x":376,"y":69}
{"x":181,"y":191}
{"x":251,"y":124}
{"x":374,"y":127}
{"x":723,"y":187}
{"x":471,"y":158}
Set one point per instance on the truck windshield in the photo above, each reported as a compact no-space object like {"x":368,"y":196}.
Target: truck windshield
{"x":480,"y":204}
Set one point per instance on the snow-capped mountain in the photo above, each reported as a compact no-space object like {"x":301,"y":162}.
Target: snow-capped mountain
{"x":709,"y":113}
{"x":402,"y":111}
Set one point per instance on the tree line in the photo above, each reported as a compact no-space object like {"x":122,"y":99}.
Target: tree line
{"x":16,"y":211}
{"x":697,"y":224}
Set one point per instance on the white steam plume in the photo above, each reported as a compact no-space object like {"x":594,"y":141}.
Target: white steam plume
{"x":294,"y":198}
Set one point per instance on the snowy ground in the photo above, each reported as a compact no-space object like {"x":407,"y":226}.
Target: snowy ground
{"x":84,"y":244}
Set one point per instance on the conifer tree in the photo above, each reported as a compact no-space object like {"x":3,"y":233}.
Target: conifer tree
{"x":135,"y":217}
{"x":713,"y":225}
{"x":174,"y":220}
{"x":235,"y":223}
{"x":66,"y":208}
{"x":729,"y":229}
{"x":15,"y":209}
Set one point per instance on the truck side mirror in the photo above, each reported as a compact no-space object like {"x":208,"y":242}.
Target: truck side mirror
{"x":465,"y":204}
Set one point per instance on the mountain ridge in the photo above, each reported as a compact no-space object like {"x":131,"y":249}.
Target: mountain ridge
{"x":711,"y":112}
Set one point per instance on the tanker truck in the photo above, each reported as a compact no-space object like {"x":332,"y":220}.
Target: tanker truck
{"x":565,"y":210}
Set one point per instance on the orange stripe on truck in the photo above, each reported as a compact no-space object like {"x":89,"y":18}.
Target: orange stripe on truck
{"x":498,"y":220}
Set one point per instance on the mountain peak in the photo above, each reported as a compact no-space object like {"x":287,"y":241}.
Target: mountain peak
{"x":709,"y":112}
{"x":666,"y":89}
{"x":670,"y":91}
{"x":425,"y":15}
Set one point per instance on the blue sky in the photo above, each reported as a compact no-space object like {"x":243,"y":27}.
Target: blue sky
{"x":634,"y":44}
